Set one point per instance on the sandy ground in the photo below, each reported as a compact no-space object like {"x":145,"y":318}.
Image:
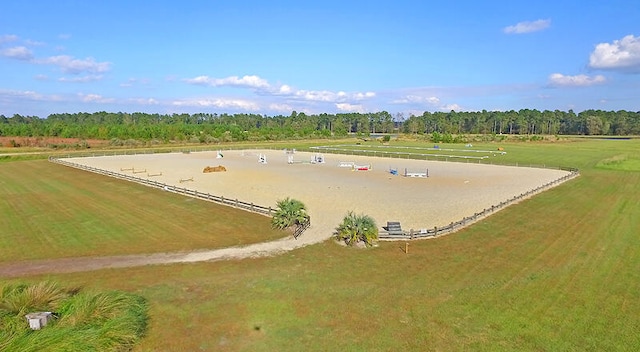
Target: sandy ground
{"x":451,"y":192}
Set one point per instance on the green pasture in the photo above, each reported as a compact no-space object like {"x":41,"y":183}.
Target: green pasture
{"x":53,"y":211}
{"x":498,"y":153}
{"x":557,"y":272}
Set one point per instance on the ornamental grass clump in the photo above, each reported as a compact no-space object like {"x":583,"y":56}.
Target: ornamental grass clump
{"x":356,"y":229}
{"x":82,"y":321}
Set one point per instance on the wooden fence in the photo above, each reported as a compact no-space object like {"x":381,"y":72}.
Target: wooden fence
{"x":267,"y":211}
{"x":454,"y":226}
{"x":383,"y":235}
{"x":301,"y":228}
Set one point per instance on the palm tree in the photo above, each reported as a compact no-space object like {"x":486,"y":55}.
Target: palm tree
{"x":357,"y":228}
{"x":290,"y":212}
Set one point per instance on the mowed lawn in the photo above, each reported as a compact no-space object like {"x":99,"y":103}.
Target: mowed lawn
{"x":557,"y":272}
{"x":52,"y":211}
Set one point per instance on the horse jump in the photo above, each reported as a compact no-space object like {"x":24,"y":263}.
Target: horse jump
{"x":416,"y":174}
{"x":361,"y":167}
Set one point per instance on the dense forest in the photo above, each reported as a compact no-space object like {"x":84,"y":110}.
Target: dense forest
{"x":212,"y":128}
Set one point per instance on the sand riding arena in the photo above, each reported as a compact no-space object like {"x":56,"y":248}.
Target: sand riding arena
{"x":421,"y":195}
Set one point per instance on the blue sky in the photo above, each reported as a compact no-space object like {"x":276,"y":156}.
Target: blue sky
{"x":273,"y":57}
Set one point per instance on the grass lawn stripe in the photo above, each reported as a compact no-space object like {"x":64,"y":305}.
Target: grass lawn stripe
{"x":64,"y":212}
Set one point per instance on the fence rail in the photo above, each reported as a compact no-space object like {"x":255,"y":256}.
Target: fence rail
{"x":454,"y":226}
{"x":301,"y":228}
{"x":268,"y":211}
{"x":324,"y":150}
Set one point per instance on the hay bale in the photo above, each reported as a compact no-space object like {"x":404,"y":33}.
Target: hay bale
{"x":218,"y":168}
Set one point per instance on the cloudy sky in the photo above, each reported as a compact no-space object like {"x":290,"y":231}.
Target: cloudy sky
{"x":273,"y":57}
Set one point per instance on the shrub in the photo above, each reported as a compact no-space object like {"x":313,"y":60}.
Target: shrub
{"x":290,"y":212}
{"x":357,"y":228}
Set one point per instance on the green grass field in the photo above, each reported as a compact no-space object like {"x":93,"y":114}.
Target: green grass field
{"x":53,"y":211}
{"x":557,"y":272}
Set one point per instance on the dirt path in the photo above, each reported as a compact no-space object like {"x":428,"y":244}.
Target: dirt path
{"x":69,"y":265}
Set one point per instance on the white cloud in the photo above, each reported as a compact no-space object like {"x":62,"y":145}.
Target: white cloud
{"x":350,"y":107}
{"x":316,"y":95}
{"x":95,"y":98}
{"x":82,"y":79}
{"x":69,"y":64}
{"x":135,"y":81}
{"x":285,"y":89}
{"x":251,"y":81}
{"x":623,"y":54}
{"x":560,"y":80}
{"x":18,"y":53}
{"x":527,"y":27}
{"x":145,"y":101}
{"x":219,"y":103}
{"x":281,"y":107}
{"x":201,"y":80}
{"x":413,"y":99}
{"x":433,"y":100}
{"x":362,"y":96}
{"x":12,"y":95}
{"x":449,"y":107}
{"x":33,"y":42}
{"x":328,"y":96}
{"x":5,"y":38}
{"x":263,"y":87}
{"x":25,"y":94}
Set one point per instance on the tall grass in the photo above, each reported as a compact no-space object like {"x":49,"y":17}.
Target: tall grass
{"x":20,"y":299}
{"x":104,"y":321}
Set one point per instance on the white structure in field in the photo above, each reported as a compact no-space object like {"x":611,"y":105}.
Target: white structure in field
{"x":38,"y":320}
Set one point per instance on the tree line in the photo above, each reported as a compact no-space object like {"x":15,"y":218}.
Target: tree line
{"x":212,"y":127}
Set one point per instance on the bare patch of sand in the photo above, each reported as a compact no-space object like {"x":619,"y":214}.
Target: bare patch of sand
{"x":451,"y":192}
